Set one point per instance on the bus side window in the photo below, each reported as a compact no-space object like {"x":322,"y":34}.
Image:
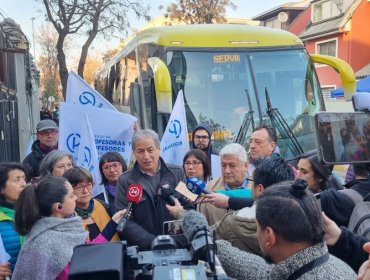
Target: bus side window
{"x":137,"y":103}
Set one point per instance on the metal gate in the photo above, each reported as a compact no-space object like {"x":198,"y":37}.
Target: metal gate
{"x":9,"y":136}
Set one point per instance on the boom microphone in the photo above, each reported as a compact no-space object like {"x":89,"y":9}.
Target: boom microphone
{"x":196,"y":185}
{"x":166,"y":193}
{"x":195,"y":228}
{"x":134,"y":193}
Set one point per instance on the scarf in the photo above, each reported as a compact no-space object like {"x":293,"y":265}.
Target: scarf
{"x":111,"y":189}
{"x":85,"y":213}
{"x":49,"y":247}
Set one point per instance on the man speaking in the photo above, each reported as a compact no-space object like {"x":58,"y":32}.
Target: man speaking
{"x":151,"y":172}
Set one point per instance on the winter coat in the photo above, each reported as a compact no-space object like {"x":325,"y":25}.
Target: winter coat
{"x":246,"y":266}
{"x":11,"y":238}
{"x":146,"y":221}
{"x":240,"y":229}
{"x":32,"y":162}
{"x":349,"y":249}
{"x":337,"y":206}
{"x":214,"y":214}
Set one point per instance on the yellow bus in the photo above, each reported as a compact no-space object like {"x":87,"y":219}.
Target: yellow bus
{"x":234,"y":77}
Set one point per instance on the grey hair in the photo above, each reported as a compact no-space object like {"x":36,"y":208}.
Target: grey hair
{"x":48,"y":162}
{"x":145,"y":134}
{"x":236,"y":150}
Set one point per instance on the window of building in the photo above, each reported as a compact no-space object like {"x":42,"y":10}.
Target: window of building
{"x":327,"y":47}
{"x":273,"y":23}
{"x":324,"y":10}
{"x":326,"y":92}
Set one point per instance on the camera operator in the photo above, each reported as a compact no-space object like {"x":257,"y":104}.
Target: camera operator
{"x":291,"y":236}
{"x":150,"y":171}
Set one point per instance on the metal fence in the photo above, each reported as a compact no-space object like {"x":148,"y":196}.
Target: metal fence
{"x":9,"y":136}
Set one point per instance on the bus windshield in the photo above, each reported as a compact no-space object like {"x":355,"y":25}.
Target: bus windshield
{"x":228,"y":90}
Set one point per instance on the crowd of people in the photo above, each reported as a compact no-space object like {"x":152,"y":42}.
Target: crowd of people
{"x":271,"y":220}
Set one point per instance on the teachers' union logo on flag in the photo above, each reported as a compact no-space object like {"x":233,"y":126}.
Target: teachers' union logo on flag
{"x":87,"y":98}
{"x":175,"y":128}
{"x":87,"y":156}
{"x":73,"y":141}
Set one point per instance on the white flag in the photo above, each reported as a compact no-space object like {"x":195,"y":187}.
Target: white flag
{"x":175,"y":140}
{"x":87,"y":155}
{"x":112,"y":130}
{"x":4,"y":256}
{"x":80,"y":92}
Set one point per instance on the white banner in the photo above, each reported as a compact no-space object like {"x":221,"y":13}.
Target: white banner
{"x":175,"y":141}
{"x":112,"y":130}
{"x":80,"y":92}
{"x":87,"y":155}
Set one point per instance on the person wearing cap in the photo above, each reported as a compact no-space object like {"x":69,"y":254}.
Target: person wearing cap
{"x":47,"y":141}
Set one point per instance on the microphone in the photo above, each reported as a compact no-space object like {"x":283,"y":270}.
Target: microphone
{"x":134,"y":193}
{"x":166,"y":193}
{"x":196,"y":185}
{"x":196,"y":231}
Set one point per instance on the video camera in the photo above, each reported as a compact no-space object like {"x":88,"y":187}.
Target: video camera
{"x":115,"y":260}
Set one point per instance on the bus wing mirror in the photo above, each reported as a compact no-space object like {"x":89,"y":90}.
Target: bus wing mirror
{"x":343,"y":68}
{"x":162,"y":84}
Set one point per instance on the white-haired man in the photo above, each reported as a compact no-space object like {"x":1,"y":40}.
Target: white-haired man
{"x":234,"y":166}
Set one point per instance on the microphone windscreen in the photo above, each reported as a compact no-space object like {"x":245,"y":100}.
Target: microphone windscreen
{"x":134,"y":193}
{"x":192,"y":222}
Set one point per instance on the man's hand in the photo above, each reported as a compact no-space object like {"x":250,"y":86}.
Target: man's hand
{"x":175,"y":210}
{"x":217,"y":199}
{"x":364,"y":271}
{"x":332,"y":231}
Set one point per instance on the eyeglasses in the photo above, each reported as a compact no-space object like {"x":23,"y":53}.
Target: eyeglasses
{"x":79,"y":188}
{"x":201,"y":137}
{"x":48,"y":131}
{"x":114,"y":165}
{"x":193,"y":163}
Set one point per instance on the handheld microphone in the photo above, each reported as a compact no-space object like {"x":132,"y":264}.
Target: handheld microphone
{"x":166,"y":193}
{"x":195,"y":228}
{"x":196,"y":185}
{"x":134,"y":193}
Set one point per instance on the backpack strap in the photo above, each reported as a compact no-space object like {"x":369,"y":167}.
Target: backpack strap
{"x":365,"y":233}
{"x":359,"y":222}
{"x":353,"y":195}
{"x":309,"y":266}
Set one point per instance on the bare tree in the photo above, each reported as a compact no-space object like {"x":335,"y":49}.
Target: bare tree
{"x":88,"y":19}
{"x":199,"y":11}
{"x":47,"y":61}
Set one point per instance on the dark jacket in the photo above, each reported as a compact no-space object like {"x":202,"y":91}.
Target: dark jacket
{"x":147,"y":217}
{"x":337,"y":206}
{"x":349,"y":249}
{"x":32,"y":162}
{"x":111,"y":198}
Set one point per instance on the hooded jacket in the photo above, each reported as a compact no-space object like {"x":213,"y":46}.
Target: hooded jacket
{"x":32,"y":162}
{"x":209,"y":150}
